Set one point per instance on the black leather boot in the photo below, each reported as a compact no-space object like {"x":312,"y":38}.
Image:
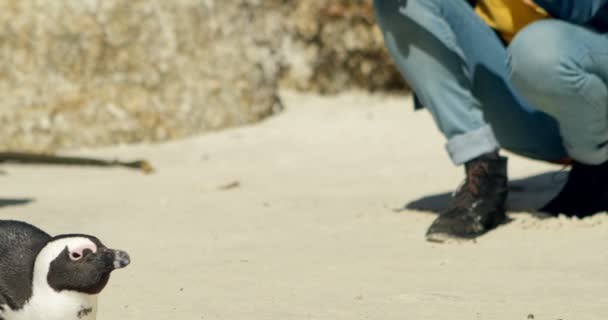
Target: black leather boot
{"x":478,"y":205}
{"x":585,"y":192}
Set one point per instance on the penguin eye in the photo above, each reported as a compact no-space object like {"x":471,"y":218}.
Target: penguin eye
{"x":75,"y":256}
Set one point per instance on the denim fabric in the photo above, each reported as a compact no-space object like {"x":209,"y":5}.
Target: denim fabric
{"x":457,"y":67}
{"x":562,"y":69}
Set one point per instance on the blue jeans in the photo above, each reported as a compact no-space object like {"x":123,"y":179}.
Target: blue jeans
{"x":545,"y":96}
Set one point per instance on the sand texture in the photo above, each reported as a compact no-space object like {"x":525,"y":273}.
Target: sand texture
{"x":317,"y":213}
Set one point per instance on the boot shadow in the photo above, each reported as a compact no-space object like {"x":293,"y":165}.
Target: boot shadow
{"x":525,"y":195}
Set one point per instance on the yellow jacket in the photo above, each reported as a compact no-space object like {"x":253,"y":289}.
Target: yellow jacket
{"x":508,"y":16}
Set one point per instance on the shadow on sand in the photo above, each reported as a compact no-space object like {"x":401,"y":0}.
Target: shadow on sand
{"x":525,"y":195}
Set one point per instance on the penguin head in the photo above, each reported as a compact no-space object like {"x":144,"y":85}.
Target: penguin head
{"x":77,"y":263}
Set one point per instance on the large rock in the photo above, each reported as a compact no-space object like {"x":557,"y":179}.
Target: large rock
{"x":335,"y":45}
{"x":94,"y":72}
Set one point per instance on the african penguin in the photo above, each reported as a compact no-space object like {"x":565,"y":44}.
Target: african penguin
{"x":52,"y":278}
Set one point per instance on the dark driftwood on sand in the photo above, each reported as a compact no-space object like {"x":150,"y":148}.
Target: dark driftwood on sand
{"x":36,"y":158}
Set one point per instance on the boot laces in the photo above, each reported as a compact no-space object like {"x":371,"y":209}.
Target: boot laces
{"x":469,"y":190}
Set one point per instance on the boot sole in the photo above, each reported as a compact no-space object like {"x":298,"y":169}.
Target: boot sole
{"x":445,"y":238}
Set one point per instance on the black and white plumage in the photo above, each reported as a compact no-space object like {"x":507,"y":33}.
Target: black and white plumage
{"x":52,"y":278}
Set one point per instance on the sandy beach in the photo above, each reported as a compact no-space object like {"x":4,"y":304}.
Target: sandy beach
{"x":316,"y":213}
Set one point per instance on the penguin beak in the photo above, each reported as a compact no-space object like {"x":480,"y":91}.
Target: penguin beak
{"x":121,"y":259}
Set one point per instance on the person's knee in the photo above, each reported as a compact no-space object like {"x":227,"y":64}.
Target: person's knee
{"x":541,"y":53}
{"x":537,"y":50}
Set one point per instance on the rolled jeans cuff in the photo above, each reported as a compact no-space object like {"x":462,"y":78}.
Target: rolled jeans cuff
{"x":470,"y":145}
{"x":590,"y":156}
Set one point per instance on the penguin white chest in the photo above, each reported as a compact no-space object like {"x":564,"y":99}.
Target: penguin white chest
{"x":55,"y":306}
